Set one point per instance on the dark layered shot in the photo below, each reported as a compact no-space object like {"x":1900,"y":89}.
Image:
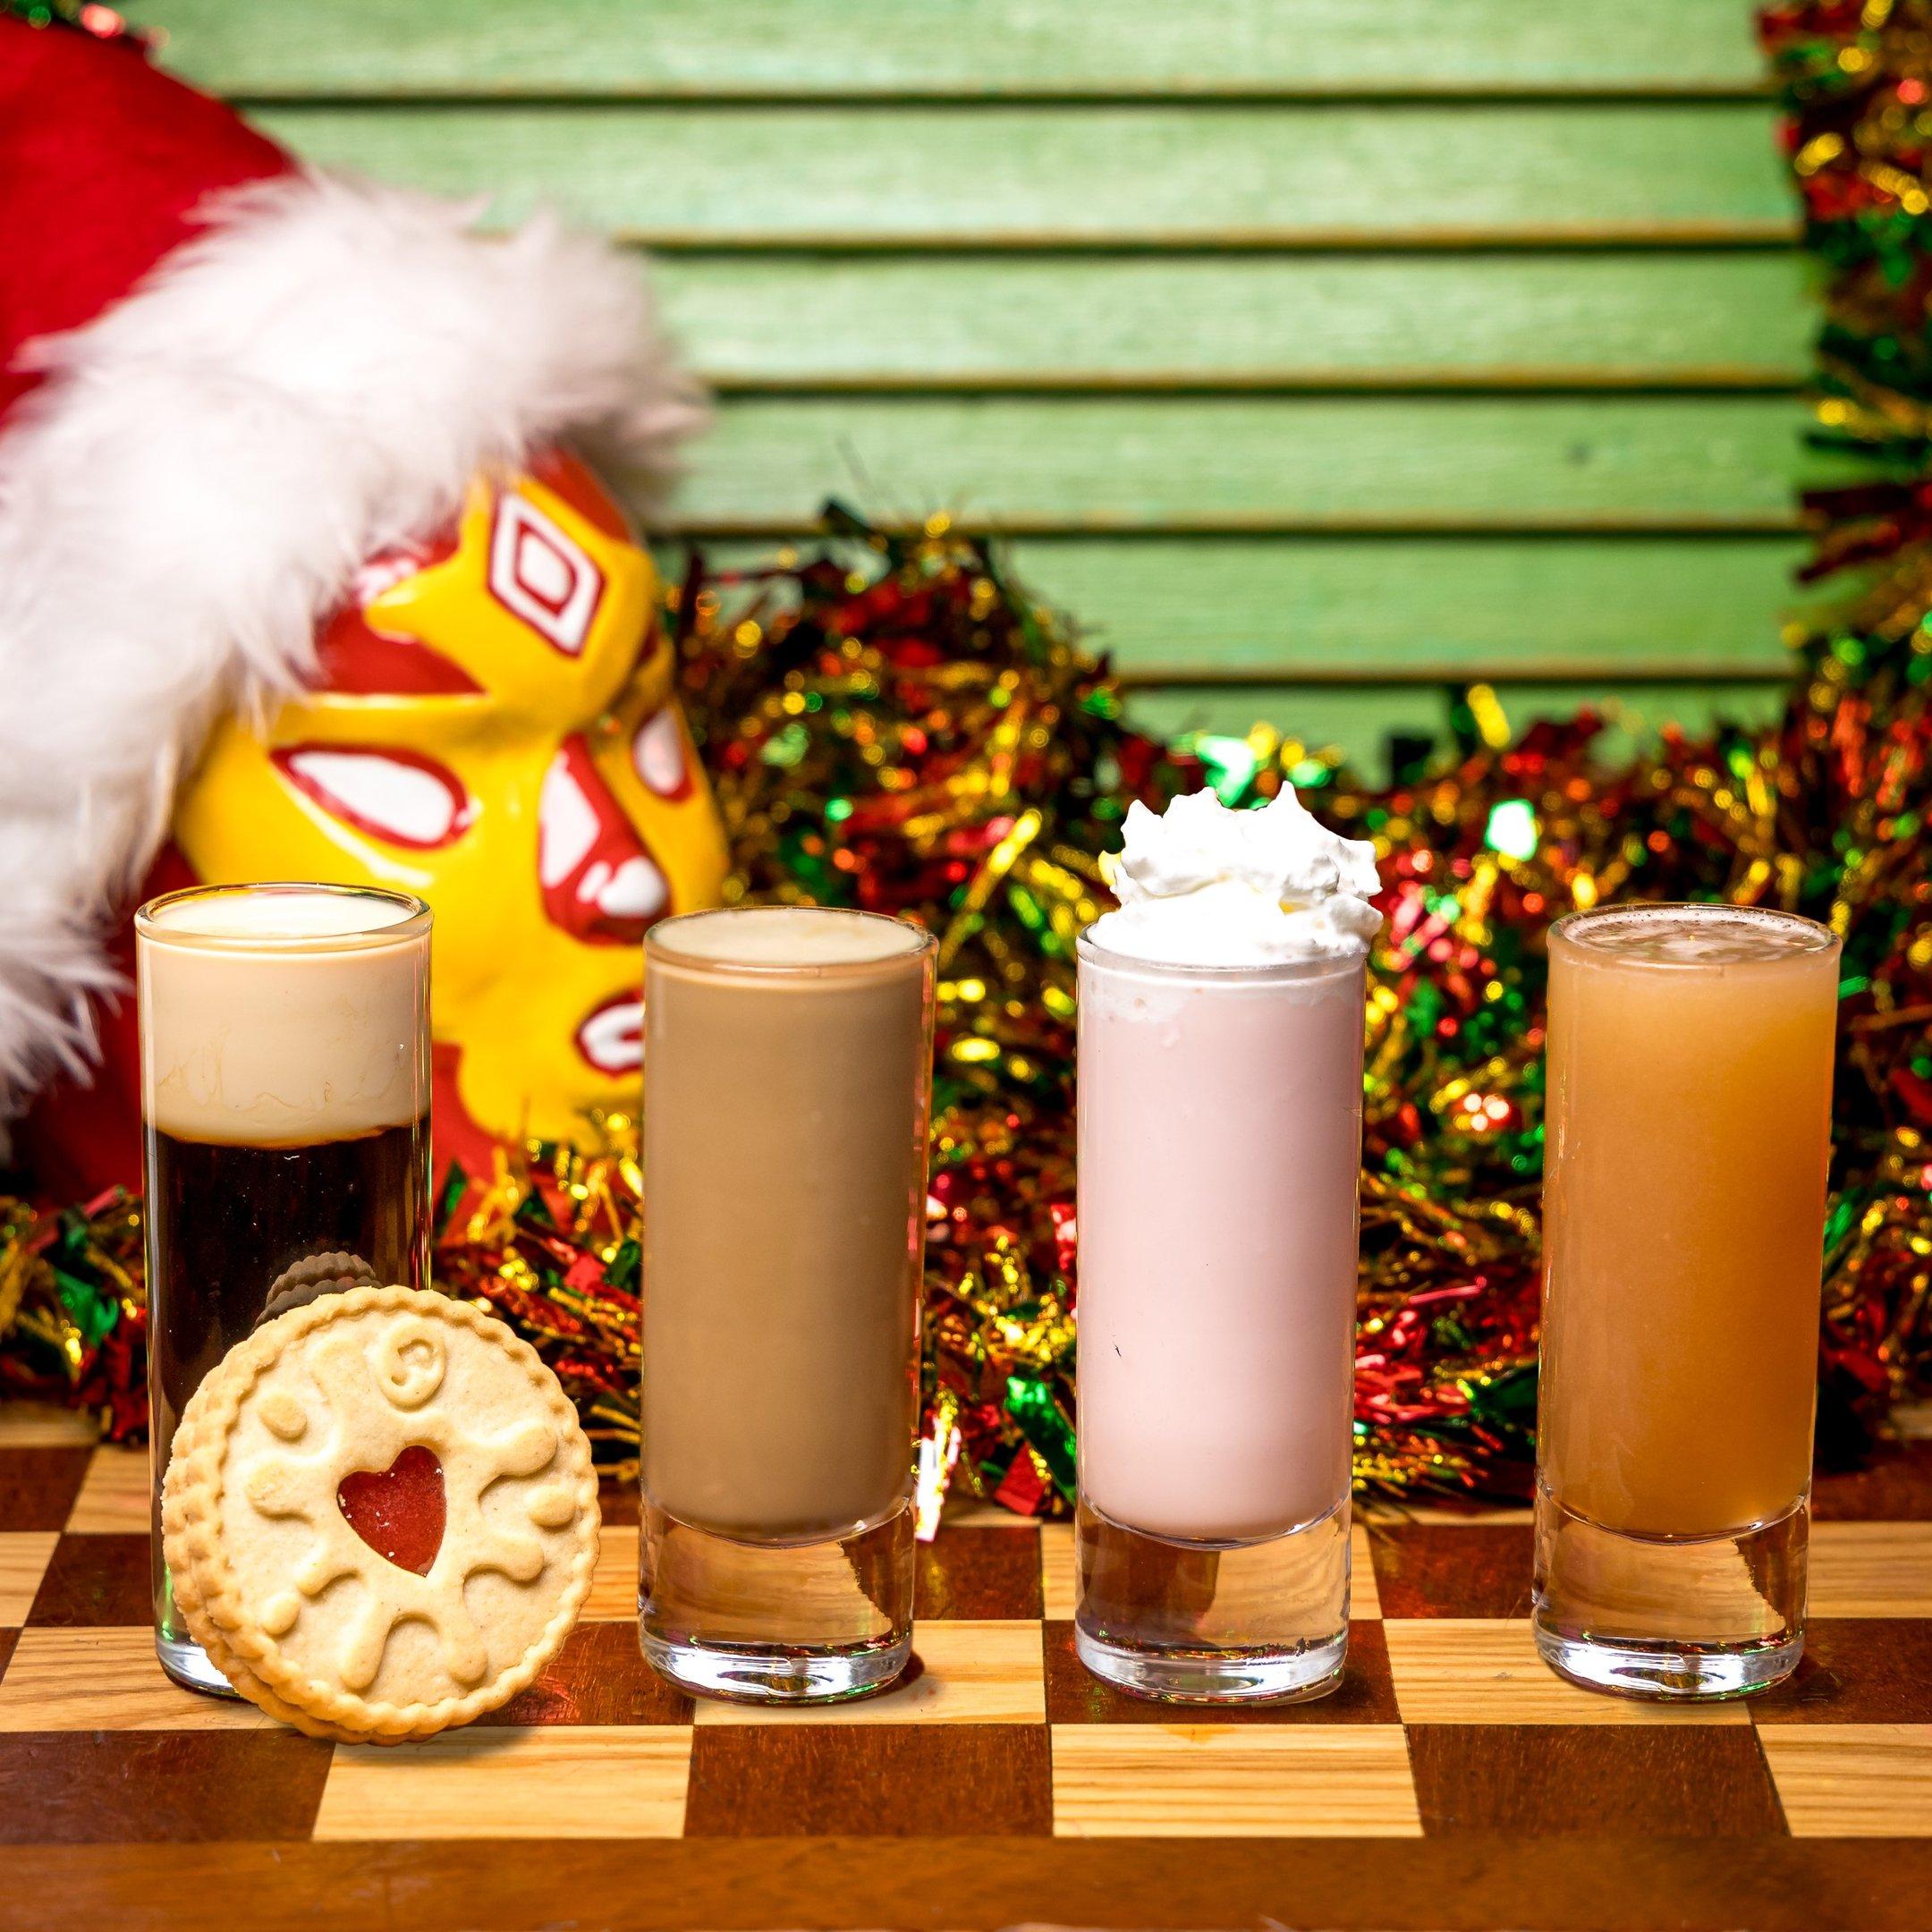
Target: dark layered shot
{"x":285,"y":1093}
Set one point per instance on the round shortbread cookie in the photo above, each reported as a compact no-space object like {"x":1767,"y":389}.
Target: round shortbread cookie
{"x":372,"y":1616}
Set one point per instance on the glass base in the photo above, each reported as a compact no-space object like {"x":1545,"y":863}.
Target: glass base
{"x":1251,"y":1622}
{"x":792,"y":1622}
{"x":747,"y":1674}
{"x":187,"y":1664}
{"x":1217,"y":1676}
{"x":1659,"y":1671}
{"x":1684,"y":1617}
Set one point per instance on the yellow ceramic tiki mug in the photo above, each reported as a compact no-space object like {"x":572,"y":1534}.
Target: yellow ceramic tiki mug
{"x":492,"y":728}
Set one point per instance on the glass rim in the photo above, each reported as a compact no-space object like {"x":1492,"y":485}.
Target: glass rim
{"x":1822,"y":939}
{"x":657,"y":952}
{"x":1323,"y":966}
{"x":413,"y":926}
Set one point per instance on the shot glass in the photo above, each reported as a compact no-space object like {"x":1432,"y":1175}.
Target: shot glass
{"x":1688,"y":1123}
{"x":1220,"y":1147}
{"x":285,"y":1053}
{"x":787,"y":1064}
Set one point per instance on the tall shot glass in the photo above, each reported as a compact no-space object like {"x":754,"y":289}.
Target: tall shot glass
{"x":1220,"y":1148}
{"x":284,"y":1053}
{"x":787,"y":1065}
{"x":1691,"y":1053}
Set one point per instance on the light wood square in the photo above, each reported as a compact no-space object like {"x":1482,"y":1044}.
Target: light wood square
{"x":1853,"y":1781}
{"x":106,"y":1680}
{"x":613,"y":1597}
{"x":115,"y":1495}
{"x":32,"y":1425}
{"x":1059,"y":1587}
{"x":969,"y":1673}
{"x":1469,"y":1670}
{"x":1871,"y":1570}
{"x":590,"y":1781}
{"x":1260,"y":1781}
{"x":1364,"y":1600}
{"x":24,"y":1555}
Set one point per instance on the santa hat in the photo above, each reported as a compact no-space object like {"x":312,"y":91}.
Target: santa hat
{"x":225,"y":380}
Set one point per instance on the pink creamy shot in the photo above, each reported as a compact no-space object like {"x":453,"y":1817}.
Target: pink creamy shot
{"x":1220,"y":1131}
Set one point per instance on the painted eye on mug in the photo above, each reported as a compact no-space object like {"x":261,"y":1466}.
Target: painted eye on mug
{"x":658,"y":753}
{"x":400,"y":796}
{"x":598,"y":883}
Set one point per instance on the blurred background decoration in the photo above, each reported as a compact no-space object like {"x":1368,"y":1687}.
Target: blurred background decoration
{"x":1395,"y":394}
{"x":1320,"y":356}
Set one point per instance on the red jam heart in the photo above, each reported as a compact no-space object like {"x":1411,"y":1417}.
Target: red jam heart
{"x":398,"y":1511}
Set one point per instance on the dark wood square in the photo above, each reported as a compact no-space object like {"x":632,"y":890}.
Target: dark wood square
{"x":979,"y":1572}
{"x":599,"y":1677}
{"x":94,"y":1580}
{"x":1366,"y":1695}
{"x":617,"y":1502}
{"x":869,"y":1780}
{"x":1896,"y":1486}
{"x":1657,"y":1781}
{"x":1856,"y":1670}
{"x":1450,"y":1570}
{"x":78,"y":1787}
{"x":8,"y":1638}
{"x":38,"y":1487}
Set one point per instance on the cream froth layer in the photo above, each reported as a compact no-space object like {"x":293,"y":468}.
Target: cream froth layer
{"x":1200,"y":884}
{"x":282,"y":1014}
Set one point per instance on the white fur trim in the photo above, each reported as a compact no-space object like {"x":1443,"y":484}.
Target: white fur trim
{"x":316,"y":377}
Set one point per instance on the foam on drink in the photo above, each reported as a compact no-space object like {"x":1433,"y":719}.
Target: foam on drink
{"x":324,"y":1046}
{"x":1697,"y":935}
{"x":788,"y":937}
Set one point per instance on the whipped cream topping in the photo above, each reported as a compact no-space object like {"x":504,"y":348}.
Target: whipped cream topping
{"x":1201,"y":885}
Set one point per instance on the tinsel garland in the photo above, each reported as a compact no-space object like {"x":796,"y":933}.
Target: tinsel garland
{"x":891,"y":722}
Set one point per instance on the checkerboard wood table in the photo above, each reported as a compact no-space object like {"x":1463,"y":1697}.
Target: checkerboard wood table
{"x":1452,"y":1781}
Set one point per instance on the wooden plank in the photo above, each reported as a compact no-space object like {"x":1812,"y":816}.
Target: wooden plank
{"x":1854,"y":1781}
{"x":590,"y":1781}
{"x":1205,"y":321}
{"x":1237,"y":609}
{"x":37,"y":1425}
{"x":1871,"y":1570}
{"x":24,"y":1555}
{"x":1193,"y":1780}
{"x":1450,"y":1670}
{"x":117,"y":1497}
{"x":107,"y":1679}
{"x":996,"y":48}
{"x":1256,"y":465}
{"x":966,"y":1672}
{"x":1581,"y":1882}
{"x":1657,"y":1781}
{"x":1038,"y":175}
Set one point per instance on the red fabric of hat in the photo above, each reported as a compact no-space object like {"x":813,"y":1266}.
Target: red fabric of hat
{"x":227,"y":380}
{"x":103,"y":161}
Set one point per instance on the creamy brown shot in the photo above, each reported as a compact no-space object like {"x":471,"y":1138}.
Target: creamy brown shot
{"x":787,"y":1068}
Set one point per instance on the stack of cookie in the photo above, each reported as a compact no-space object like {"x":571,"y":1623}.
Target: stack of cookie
{"x":380,"y":1514}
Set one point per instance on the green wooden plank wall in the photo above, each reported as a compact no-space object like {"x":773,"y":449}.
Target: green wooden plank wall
{"x":1318,"y":354}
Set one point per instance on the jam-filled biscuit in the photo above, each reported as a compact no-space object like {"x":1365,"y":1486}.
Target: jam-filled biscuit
{"x":380,"y":1515}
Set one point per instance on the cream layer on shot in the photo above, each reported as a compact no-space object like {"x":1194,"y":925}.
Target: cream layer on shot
{"x":328,"y":1045}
